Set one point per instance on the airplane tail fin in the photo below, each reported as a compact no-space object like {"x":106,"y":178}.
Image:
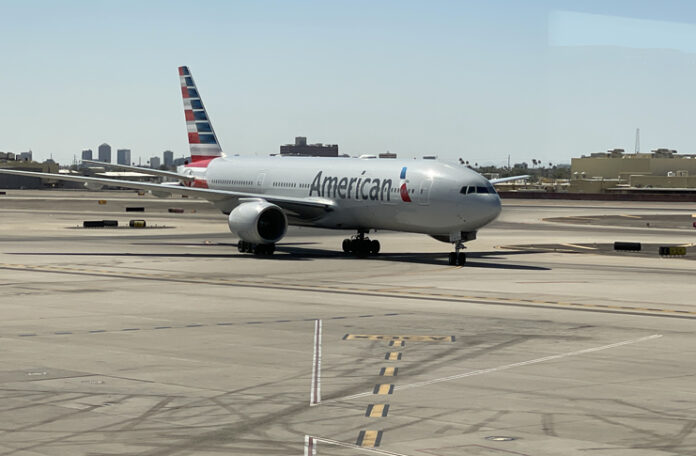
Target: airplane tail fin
{"x":203,"y":142}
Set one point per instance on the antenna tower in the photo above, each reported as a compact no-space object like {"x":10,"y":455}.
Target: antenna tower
{"x":637,"y":140}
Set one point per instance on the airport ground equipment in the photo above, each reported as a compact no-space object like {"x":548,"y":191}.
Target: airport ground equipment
{"x":672,"y":251}
{"x":627,"y":246}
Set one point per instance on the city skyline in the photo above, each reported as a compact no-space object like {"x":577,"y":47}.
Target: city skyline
{"x":547,"y":80}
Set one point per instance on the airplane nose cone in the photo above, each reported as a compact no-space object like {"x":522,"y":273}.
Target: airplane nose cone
{"x":495,"y":208}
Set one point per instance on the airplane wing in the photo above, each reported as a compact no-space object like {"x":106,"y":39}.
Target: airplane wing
{"x":138,"y":169}
{"x":507,"y":179}
{"x":302,"y":208}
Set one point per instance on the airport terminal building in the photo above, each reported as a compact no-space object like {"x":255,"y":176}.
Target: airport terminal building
{"x":615,"y":170}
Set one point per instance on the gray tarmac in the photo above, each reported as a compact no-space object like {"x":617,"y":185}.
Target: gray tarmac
{"x":167,"y":341}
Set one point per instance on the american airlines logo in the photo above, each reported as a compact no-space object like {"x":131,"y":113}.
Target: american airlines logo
{"x":359,"y":188}
{"x":351,"y":188}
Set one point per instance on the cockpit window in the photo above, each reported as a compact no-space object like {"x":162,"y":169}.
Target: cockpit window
{"x":480,"y":189}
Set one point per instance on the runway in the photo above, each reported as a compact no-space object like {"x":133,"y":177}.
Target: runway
{"x":167,"y":341}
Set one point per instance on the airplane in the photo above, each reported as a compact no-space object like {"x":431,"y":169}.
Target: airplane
{"x":263,"y":195}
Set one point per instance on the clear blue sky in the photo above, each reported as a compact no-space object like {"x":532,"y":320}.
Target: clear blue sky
{"x":477,"y":80}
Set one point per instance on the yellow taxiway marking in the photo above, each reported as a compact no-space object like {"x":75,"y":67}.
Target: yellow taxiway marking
{"x":630,"y":216}
{"x":396,"y":343}
{"x":383,"y":389}
{"x":377,"y":410}
{"x":369,"y":439}
{"x":393,"y":356}
{"x":389,"y":371}
{"x":412,"y":338}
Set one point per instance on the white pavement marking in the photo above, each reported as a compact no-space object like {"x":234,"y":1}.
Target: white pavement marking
{"x":315,"y":392}
{"x":507,"y":366}
{"x":310,"y":446}
{"x":351,"y":446}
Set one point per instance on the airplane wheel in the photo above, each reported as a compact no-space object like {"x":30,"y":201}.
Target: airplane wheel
{"x":346,"y":245}
{"x":240,"y":247}
{"x":461,"y":259}
{"x":264,"y":249}
{"x":363,"y":249}
{"x":452,"y":259}
{"x":374,"y":247}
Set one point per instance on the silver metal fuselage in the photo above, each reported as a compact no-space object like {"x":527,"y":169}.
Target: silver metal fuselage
{"x":367,"y":193}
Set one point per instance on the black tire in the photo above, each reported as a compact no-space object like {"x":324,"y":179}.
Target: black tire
{"x":452,"y":259}
{"x":374,"y":247}
{"x":241,"y":247}
{"x":346,"y":245}
{"x":363,"y":249}
{"x":461,"y":259}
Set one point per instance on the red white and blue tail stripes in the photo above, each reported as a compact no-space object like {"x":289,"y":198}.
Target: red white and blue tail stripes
{"x":203,"y":143}
{"x":403,"y":191}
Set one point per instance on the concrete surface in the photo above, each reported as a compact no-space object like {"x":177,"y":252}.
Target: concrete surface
{"x":170,"y":342}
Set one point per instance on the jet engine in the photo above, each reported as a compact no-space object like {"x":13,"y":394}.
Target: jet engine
{"x":258,"y":222}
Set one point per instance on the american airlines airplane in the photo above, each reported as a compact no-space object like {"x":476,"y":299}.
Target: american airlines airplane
{"x":262,"y":196}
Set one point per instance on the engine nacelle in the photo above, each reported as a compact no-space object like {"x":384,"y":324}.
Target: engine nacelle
{"x":258,"y":222}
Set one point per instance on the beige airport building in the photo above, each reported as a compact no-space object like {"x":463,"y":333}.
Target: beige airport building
{"x":617,"y":171}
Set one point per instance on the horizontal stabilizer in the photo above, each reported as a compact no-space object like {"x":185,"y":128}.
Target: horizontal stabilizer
{"x":138,"y":169}
{"x":508,"y":179}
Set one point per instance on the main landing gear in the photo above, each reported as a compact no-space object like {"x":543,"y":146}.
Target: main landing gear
{"x":361,"y":245}
{"x":457,"y":258}
{"x":256,"y":249}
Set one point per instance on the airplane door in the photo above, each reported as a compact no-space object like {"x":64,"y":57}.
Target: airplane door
{"x":424,"y":191}
{"x":260,"y":179}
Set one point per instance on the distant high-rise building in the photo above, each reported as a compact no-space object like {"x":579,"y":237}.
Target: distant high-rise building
{"x":123,"y":156}
{"x":311,"y":150}
{"x":155,"y":162}
{"x":105,"y":153}
{"x":87,"y":154}
{"x":168,"y":158}
{"x":25,"y":156}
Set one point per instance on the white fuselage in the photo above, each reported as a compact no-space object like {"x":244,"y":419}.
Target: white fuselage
{"x":420,"y":196}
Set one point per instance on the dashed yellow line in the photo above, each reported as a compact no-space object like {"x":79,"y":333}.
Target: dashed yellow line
{"x":383,"y":389}
{"x":397,"y":343}
{"x":377,"y":410}
{"x":369,"y":439}
{"x":393,"y":356}
{"x":388,"y":371}
{"x":413,"y":338}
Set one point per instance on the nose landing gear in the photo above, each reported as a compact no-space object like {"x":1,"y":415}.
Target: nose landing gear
{"x":457,"y":258}
{"x":361,"y":245}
